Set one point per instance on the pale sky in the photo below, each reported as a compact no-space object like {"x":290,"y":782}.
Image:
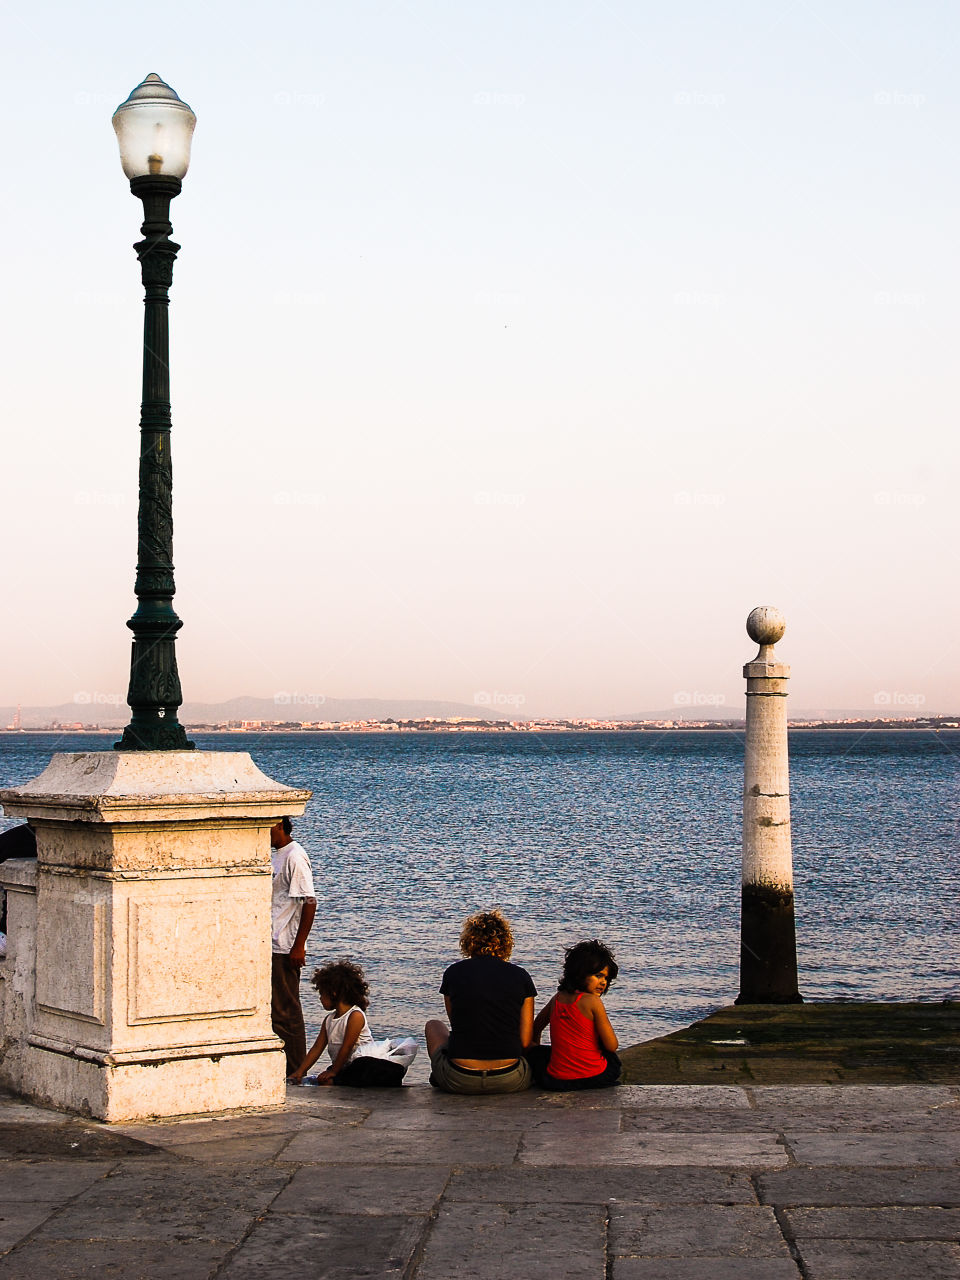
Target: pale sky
{"x":517,"y":348}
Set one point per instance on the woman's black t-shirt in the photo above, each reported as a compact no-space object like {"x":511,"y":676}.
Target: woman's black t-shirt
{"x":486,"y":996}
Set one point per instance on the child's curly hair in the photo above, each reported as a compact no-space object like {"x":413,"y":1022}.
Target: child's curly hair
{"x":487,"y":933}
{"x":342,"y":981}
{"x":584,"y":959}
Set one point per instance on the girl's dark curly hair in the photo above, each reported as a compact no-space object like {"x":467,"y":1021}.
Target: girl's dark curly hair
{"x":487,"y":933}
{"x":584,"y":959}
{"x":342,"y":981}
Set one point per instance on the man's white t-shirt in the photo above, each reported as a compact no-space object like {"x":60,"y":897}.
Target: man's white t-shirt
{"x":292,"y":882}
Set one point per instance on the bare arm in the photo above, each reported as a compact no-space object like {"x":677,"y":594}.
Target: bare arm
{"x":542,"y":1020}
{"x":526,"y":1023}
{"x":318,"y":1047}
{"x":298,"y":950}
{"x":354,"y":1027}
{"x":593,"y":1007}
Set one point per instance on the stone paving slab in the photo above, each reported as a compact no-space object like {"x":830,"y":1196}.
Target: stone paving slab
{"x":377,"y":1146}
{"x":684,"y":1120}
{"x":115,"y":1260}
{"x":880,"y":1260}
{"x":362,"y":1190}
{"x":639,"y":1096}
{"x":600,"y":1186}
{"x":257,"y":1150}
{"x":862,"y":1097}
{"x":18,"y":1219}
{"x":13,"y":1111}
{"x":328,"y":1246}
{"x":667,"y":1181}
{"x":735,"y":1231}
{"x":840,"y":1119}
{"x":249,"y":1126}
{"x":863,"y":1186}
{"x":168,"y":1201}
{"x":582,"y":1122}
{"x":890,"y":1223}
{"x":54,"y":1181}
{"x":704,"y":1269}
{"x":69,"y":1139}
{"x":415,"y":1097}
{"x":537,"y":1242}
{"x":757,"y":1151}
{"x":874,"y":1148}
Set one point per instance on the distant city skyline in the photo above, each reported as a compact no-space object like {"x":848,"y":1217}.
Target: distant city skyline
{"x":517,"y":352}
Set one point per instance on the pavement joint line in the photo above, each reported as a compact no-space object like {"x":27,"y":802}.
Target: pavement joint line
{"x":416,"y":1257}
{"x":789,"y":1239}
{"x":58,"y":1208}
{"x":256,"y":1218}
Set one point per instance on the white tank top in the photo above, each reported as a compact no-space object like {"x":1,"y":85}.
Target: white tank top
{"x":336,"y":1027}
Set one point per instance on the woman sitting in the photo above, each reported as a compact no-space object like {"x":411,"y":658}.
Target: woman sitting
{"x":490,"y":1006}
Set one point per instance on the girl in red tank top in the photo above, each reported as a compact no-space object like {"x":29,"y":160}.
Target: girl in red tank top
{"x":582,"y":1042}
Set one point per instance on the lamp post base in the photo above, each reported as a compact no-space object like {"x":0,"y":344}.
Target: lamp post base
{"x":163,"y":734}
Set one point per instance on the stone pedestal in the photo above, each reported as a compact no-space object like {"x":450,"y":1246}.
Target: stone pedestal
{"x":768,"y":940}
{"x":152,"y":932}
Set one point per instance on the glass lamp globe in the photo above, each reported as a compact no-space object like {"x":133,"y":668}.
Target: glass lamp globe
{"x":154,"y":130}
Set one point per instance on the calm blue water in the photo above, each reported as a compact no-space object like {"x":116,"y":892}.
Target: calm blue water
{"x":631,"y":837}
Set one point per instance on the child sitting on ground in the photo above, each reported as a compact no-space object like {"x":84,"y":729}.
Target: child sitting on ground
{"x":355,"y":1057}
{"x":582,"y":1042}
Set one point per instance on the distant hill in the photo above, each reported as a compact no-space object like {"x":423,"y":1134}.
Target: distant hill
{"x":284,"y":707}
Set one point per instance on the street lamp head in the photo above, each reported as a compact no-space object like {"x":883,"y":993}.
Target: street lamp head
{"x":154,"y":130}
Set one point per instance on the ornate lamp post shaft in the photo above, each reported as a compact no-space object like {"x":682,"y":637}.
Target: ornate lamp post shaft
{"x":154,"y":128}
{"x":154,"y":694}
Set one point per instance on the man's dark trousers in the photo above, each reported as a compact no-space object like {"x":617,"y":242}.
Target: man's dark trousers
{"x":286,"y":1013}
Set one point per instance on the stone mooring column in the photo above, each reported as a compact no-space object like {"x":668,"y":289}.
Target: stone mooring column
{"x":768,"y":940}
{"x":151,"y":990}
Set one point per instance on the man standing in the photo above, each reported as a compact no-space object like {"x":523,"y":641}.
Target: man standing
{"x":292,"y":911}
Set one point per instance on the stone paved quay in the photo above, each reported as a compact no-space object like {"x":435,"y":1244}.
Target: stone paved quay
{"x":644,"y":1182}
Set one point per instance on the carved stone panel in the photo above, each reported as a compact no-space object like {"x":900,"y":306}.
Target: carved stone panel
{"x":71,"y":955}
{"x":190,"y":957}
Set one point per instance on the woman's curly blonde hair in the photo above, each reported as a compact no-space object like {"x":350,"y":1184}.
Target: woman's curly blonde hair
{"x":487,"y":933}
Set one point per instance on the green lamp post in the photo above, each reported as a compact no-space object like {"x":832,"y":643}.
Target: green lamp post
{"x":154,"y":129}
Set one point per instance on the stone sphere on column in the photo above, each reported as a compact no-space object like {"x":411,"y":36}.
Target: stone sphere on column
{"x":766,"y":625}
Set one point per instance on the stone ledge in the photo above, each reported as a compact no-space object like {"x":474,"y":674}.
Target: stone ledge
{"x":806,"y":1044}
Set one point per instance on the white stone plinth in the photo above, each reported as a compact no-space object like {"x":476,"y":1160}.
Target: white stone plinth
{"x":152,"y":971}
